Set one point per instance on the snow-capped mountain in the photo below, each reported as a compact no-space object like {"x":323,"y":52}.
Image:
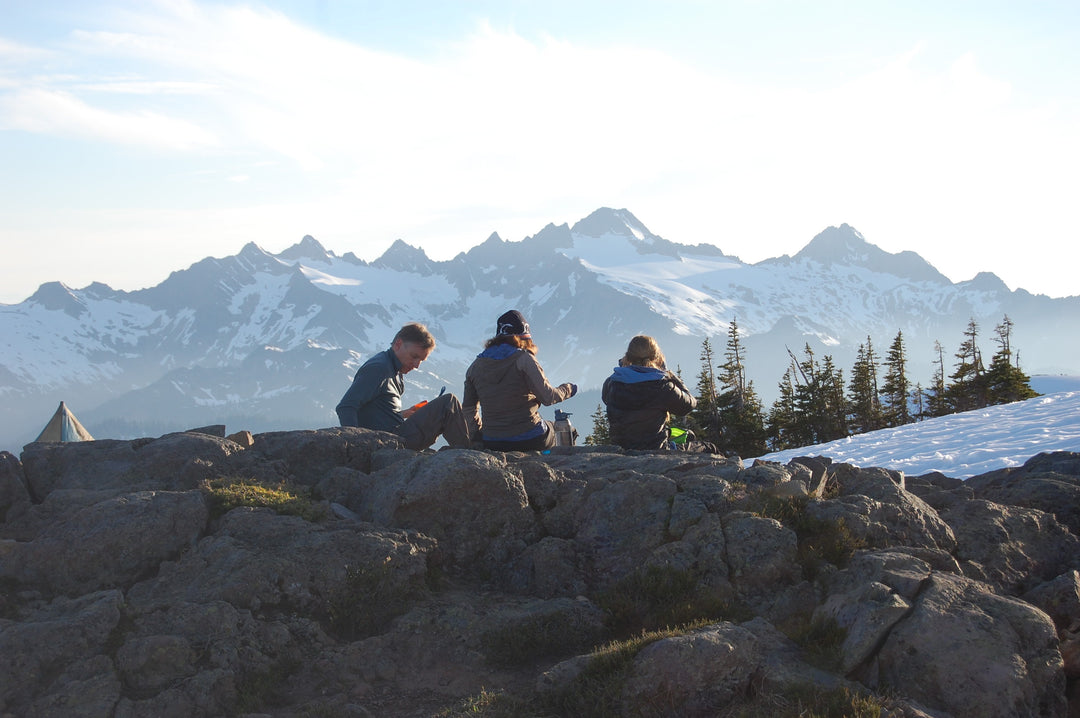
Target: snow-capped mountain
{"x":263,"y":341}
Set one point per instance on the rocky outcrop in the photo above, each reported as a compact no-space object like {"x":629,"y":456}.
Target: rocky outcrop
{"x":345,"y":575}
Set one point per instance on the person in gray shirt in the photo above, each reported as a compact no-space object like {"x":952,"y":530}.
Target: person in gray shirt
{"x":373,"y":401}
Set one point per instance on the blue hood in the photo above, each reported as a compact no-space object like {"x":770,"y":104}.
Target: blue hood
{"x":499,"y":351}
{"x":637,"y":374}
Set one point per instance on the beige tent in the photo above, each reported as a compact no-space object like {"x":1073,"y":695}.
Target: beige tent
{"x":64,"y":427}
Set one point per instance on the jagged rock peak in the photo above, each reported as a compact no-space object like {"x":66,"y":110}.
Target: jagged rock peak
{"x":987,"y":282}
{"x":58,"y":296}
{"x":405,"y":258}
{"x":100,"y":290}
{"x":845,"y":245}
{"x":306,"y":248}
{"x":838,"y":244}
{"x":253,"y":251}
{"x":611,"y":221}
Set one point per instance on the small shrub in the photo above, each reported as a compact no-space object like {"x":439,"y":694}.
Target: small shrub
{"x":367,"y":600}
{"x":808,"y":702}
{"x":826,"y":542}
{"x":555,"y":633}
{"x":787,"y":510}
{"x":820,"y":640}
{"x":490,"y":704}
{"x":658,"y":597}
{"x":597,"y":691}
{"x":820,"y":541}
{"x":228,"y":494}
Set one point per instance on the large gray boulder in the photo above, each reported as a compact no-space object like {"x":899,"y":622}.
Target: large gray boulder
{"x":762,"y":555}
{"x":110,"y":544}
{"x":428,"y":577}
{"x":471,"y":502}
{"x":698,"y":673}
{"x":971,"y":652}
{"x":665,"y":463}
{"x":1059,"y":598}
{"x":174,"y":462}
{"x":1049,"y":482}
{"x":305,"y":457}
{"x":1011,"y":547}
{"x":620,"y":524}
{"x":875,"y":508}
{"x":257,"y":559}
{"x":14,"y":497}
{"x":868,"y":599}
{"x":54,"y":658}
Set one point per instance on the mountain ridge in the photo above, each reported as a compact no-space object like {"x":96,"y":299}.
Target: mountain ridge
{"x":586,"y":290}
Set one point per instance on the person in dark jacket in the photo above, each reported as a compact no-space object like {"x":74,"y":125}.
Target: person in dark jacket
{"x":373,"y":401}
{"x":640,"y":394}
{"x":507,"y":383}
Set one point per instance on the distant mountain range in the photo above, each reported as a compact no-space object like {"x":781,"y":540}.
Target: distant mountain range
{"x":263,"y":341}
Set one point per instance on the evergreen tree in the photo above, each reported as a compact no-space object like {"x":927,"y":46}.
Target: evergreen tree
{"x":968,"y":389}
{"x":864,"y":405}
{"x":820,"y":409}
{"x":780,"y":425}
{"x":704,"y":420}
{"x":835,"y":424}
{"x":1006,"y":382}
{"x":737,"y":405}
{"x":807,"y":399}
{"x":601,"y":429}
{"x":918,"y":397}
{"x":896,"y":390}
{"x":937,"y":399}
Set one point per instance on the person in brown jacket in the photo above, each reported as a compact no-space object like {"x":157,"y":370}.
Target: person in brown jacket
{"x":509,"y":384}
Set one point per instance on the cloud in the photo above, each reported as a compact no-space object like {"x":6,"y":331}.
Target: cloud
{"x":61,"y":114}
{"x":12,"y":53}
{"x":497,"y":131}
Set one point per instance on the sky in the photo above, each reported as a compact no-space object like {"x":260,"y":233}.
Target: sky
{"x":140,"y":136}
{"x":967,"y":444}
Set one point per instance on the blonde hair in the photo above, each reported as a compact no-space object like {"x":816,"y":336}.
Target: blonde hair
{"x":643,"y":351}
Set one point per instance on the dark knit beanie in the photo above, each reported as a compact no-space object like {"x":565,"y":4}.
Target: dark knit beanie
{"x":513,"y":322}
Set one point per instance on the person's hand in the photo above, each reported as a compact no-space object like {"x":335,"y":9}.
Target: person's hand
{"x":573,"y":390}
{"x":406,"y":413}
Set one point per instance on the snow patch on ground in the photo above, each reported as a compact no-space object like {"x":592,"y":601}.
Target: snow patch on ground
{"x":961,"y":445}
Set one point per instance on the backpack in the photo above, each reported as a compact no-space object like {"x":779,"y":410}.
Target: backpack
{"x":683,"y":440}
{"x":678,"y":438}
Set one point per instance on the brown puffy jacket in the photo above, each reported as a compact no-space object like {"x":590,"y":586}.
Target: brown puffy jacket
{"x":508,"y":386}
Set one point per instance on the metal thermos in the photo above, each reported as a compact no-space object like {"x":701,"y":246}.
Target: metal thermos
{"x":564,"y":431}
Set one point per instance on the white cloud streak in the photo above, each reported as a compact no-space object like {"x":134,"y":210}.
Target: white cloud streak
{"x":500,"y":132}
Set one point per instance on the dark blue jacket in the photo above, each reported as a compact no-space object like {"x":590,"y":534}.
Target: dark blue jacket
{"x":638,"y":401}
{"x":374,"y":399}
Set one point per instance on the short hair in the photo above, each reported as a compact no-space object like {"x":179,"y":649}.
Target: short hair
{"x":416,"y":333}
{"x":643,"y":351}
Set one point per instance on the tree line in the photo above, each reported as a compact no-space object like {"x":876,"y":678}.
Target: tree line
{"x":815,"y":404}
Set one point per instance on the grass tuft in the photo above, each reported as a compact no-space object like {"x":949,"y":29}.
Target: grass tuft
{"x":820,"y":541}
{"x":227,"y":494}
{"x":808,"y":702}
{"x":539,"y":636}
{"x":661,"y":596}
